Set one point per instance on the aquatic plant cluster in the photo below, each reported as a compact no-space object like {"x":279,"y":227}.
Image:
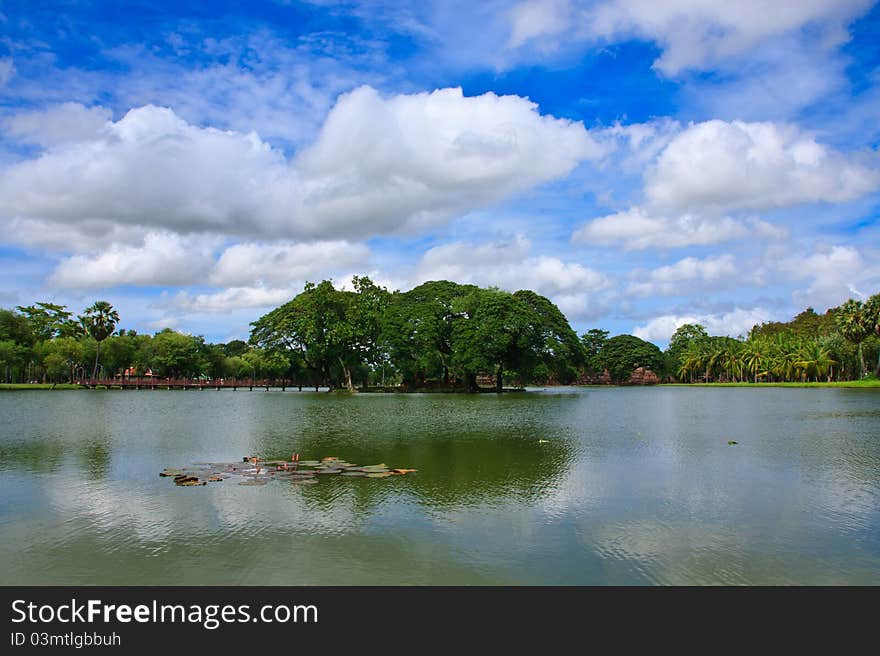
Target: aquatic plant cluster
{"x":256,"y":471}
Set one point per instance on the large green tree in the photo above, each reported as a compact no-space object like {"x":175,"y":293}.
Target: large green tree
{"x":559,"y":350}
{"x":333,"y":331}
{"x":592,"y":342}
{"x":417,"y":329}
{"x":623,"y":354}
{"x":49,"y":320}
{"x":495,"y":330}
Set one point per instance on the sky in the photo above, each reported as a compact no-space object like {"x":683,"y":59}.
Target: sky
{"x":641,"y":164}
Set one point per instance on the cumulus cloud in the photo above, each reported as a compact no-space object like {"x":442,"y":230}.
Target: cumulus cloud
{"x":507,"y":265}
{"x":700,"y":179}
{"x":693,"y":34}
{"x":163,"y":259}
{"x":688,"y":275}
{"x":378,"y":165}
{"x":87,"y":236}
{"x":409,"y":160}
{"x":579,"y":291}
{"x":58,"y":124}
{"x":833,"y":274}
{"x":734,"y":323}
{"x":636,"y":229}
{"x":721,"y":166}
{"x":278,"y":264}
{"x":232,"y":298}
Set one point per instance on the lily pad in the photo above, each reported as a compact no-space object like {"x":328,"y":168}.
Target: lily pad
{"x":328,"y":471}
{"x":378,"y":474}
{"x":170,"y":472}
{"x":255,"y":481}
{"x":354,"y":473}
{"x":304,"y":481}
{"x":186,"y":481}
{"x":402,"y":470}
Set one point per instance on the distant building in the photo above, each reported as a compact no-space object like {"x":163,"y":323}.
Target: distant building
{"x":131,"y":372}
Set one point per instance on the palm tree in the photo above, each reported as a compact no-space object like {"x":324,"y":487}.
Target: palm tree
{"x":756,"y":359}
{"x":872,"y":314}
{"x":814,"y":359}
{"x":100,"y":321}
{"x":853,"y":323}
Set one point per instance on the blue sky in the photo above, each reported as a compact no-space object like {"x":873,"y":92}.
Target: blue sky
{"x":642,"y":164}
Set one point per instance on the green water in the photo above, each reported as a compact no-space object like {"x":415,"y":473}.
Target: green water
{"x":565,"y":486}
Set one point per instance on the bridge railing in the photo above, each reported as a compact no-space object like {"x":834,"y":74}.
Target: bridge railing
{"x":153,"y":381}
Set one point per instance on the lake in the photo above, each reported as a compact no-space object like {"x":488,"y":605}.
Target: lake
{"x":556,"y":486}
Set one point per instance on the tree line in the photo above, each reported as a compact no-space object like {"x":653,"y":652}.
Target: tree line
{"x":440,"y":334}
{"x":841,"y":344}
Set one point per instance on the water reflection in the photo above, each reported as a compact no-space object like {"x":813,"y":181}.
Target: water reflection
{"x":567,"y":486}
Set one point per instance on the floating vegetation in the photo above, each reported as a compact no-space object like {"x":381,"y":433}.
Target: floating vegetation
{"x":253,"y":470}
{"x":731,"y":442}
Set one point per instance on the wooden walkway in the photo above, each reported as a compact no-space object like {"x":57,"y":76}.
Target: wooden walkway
{"x":187,"y":383}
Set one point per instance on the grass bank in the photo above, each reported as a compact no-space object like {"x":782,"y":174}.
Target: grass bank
{"x":38,"y":386}
{"x":868,"y":382}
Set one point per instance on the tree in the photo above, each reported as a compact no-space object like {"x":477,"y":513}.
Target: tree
{"x":853,"y":323}
{"x":559,"y":349}
{"x":300,"y":326}
{"x":99,"y":320}
{"x":495,"y":330}
{"x":235,"y":347}
{"x":360,"y":332}
{"x":682,"y":340}
{"x":333,"y":331}
{"x":15,"y":328}
{"x":176,"y":354}
{"x":417,"y":329}
{"x":48,"y":321}
{"x":872,"y":316}
{"x":623,"y":354}
{"x":592,"y":342}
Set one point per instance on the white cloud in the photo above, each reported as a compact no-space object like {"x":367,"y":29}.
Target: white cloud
{"x":163,"y":259}
{"x":507,"y":265}
{"x":87,"y":236}
{"x":834,"y":274}
{"x":718,"y":166}
{"x":737,"y":322}
{"x":635,"y":229}
{"x":710,"y":169}
{"x":407,"y":161}
{"x":233,"y":298}
{"x":58,"y":124}
{"x":579,"y":291}
{"x":693,"y":34}
{"x":379,"y":165}
{"x":535,"y":18}
{"x":687,"y":276}
{"x":278,"y":264}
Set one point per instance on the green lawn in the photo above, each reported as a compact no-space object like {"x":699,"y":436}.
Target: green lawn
{"x":868,"y":382}
{"x":37,"y":386}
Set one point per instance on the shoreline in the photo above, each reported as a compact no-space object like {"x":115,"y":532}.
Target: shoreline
{"x":850,"y":384}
